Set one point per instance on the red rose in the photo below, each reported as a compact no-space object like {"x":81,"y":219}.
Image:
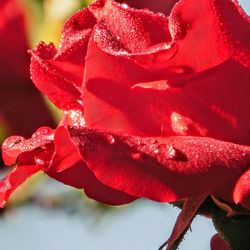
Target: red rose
{"x":152,"y":88}
{"x":22,"y":109}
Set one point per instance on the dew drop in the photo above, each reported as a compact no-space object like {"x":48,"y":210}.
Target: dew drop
{"x":110,"y":139}
{"x":39,"y":161}
{"x":3,"y":203}
{"x":136,"y":156}
{"x":12,"y":141}
{"x":177,"y":27}
{"x":182,"y":70}
{"x":43,"y":131}
{"x":156,"y":151}
{"x":80,"y":102}
{"x":170,"y":152}
{"x":74,"y":118}
{"x":124,"y":5}
{"x":163,"y":53}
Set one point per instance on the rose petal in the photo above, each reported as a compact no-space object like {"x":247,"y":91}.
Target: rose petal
{"x":218,"y":27}
{"x":162,"y":6}
{"x":217,"y":243}
{"x":68,"y":166}
{"x":164,"y":168}
{"x":14,"y":146}
{"x":139,"y":35}
{"x":154,"y":57}
{"x":14,"y":179}
{"x":213,"y":103}
{"x":61,"y":160}
{"x":137,"y":30}
{"x":107,"y":76}
{"x":242,"y":190}
{"x":58,"y":74}
{"x":115,"y":95}
{"x":209,"y":32}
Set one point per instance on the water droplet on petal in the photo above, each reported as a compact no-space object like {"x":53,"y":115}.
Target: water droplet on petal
{"x":136,"y":155}
{"x":2,"y":204}
{"x":156,"y":151}
{"x":163,"y":52}
{"x":124,"y":5}
{"x":182,"y":125}
{"x":43,"y":131}
{"x":80,"y":102}
{"x":110,"y":139}
{"x":177,"y":27}
{"x":181,"y":70}
{"x":74,"y":118}
{"x":11,"y":142}
{"x":39,"y":161}
{"x":170,"y":152}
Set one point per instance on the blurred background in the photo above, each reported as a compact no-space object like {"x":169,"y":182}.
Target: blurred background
{"x":44,"y":214}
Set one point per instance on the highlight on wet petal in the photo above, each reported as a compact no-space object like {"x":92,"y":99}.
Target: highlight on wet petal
{"x":15,"y":145}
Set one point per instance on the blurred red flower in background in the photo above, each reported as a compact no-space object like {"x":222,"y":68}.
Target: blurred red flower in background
{"x":22,"y":109}
{"x":141,"y":93}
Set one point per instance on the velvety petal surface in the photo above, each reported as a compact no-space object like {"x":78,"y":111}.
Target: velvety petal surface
{"x":136,"y":30}
{"x":210,"y":104}
{"x":56,"y":155}
{"x":58,"y":73}
{"x":139,"y":35}
{"x":105,"y":98}
{"x":149,"y":167}
{"x":109,"y":72}
{"x":69,"y":167}
{"x":162,"y":6}
{"x":209,"y":32}
{"x":206,"y":34}
{"x":200,"y":94}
